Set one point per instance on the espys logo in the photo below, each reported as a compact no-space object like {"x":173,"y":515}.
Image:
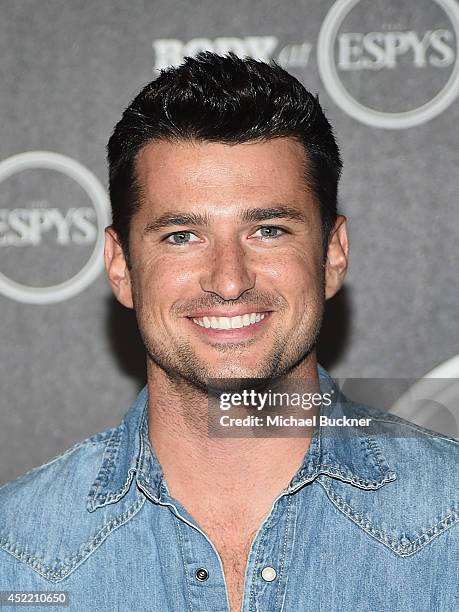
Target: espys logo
{"x":387,"y":65}
{"x":49,"y":228}
{"x":433,"y":401}
{"x":382,"y":62}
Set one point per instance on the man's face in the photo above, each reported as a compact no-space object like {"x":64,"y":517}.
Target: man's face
{"x":227,"y":275}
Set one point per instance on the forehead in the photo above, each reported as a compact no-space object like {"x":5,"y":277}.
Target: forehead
{"x":178,"y":174}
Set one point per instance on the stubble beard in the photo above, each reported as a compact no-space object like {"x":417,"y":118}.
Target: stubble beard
{"x":184,"y":368}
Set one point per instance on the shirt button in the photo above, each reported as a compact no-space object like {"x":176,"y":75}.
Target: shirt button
{"x":268,"y":573}
{"x":201,"y":574}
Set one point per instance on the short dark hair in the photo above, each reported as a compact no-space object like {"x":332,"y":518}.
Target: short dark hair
{"x":215,"y":98}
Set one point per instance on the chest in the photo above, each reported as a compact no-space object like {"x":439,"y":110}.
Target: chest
{"x":234,"y":555}
{"x":232,"y":532}
{"x":232,"y":538}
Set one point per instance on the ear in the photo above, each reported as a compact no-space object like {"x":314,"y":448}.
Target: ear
{"x":337,"y":258}
{"x":117,"y":269}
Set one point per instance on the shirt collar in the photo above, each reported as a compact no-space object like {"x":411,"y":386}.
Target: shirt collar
{"x":347,"y":453}
{"x":351,"y":457}
{"x":125,"y":456}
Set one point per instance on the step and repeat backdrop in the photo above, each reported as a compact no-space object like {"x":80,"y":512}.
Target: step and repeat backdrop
{"x":387,"y":73}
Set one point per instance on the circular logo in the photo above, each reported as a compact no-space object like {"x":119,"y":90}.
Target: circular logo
{"x":375,"y":51}
{"x":433,"y":400}
{"x":28,"y":225}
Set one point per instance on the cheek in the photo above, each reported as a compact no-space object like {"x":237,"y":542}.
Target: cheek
{"x":294,"y":274}
{"x":163,"y":280}
{"x":169,"y":281}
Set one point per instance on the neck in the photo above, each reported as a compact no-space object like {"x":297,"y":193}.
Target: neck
{"x":193,"y":462}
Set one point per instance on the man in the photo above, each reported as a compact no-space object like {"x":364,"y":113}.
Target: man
{"x":226,"y":241}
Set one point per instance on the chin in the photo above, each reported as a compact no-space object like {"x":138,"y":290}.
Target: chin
{"x":237,"y":370}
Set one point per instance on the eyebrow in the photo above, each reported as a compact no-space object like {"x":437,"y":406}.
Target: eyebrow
{"x":275,"y":212}
{"x":247,"y":215}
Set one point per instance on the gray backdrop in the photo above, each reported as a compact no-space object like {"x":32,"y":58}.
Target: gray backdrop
{"x":387,"y":74}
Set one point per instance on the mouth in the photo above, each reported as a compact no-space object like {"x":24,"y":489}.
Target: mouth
{"x":241,"y":326}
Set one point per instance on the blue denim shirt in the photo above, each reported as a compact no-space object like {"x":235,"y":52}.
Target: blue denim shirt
{"x":367,"y":524}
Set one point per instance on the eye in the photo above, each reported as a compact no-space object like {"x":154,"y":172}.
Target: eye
{"x":180,"y":238}
{"x":269,"y":231}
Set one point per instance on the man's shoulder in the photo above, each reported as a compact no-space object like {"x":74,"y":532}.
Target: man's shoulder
{"x":414,"y":452}
{"x":75,"y":466}
{"x":47,"y":517}
{"x":389,"y":426}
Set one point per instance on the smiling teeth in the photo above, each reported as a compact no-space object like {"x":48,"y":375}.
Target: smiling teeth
{"x":230,"y":322}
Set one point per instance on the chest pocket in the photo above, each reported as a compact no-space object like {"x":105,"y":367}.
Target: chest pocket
{"x":57,"y":554}
{"x":405,"y":528}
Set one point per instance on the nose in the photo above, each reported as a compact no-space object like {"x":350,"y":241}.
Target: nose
{"x":227,"y":272}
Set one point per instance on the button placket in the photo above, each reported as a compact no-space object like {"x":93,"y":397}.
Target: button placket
{"x":205,"y":582}
{"x":270,"y":557}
